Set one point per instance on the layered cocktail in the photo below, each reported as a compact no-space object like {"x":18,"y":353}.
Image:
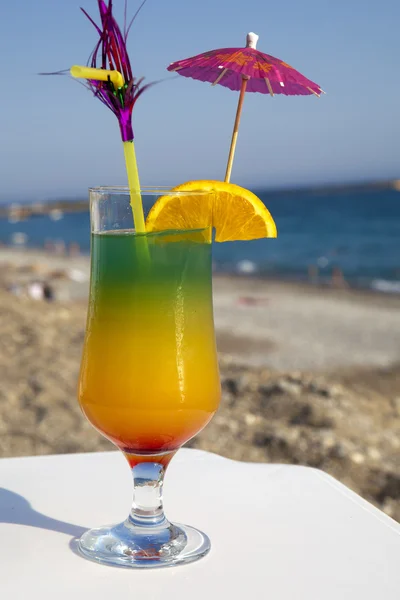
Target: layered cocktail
{"x":149,"y":378}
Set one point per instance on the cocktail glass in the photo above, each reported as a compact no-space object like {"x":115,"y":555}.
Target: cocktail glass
{"x":149,"y":377}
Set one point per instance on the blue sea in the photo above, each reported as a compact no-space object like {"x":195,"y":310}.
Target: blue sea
{"x":356,"y":232}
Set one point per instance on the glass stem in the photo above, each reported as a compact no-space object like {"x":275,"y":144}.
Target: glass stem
{"x":147,"y":508}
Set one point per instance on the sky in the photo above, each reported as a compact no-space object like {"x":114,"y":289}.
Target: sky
{"x":56,"y":140}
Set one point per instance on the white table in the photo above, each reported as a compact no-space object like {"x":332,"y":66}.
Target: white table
{"x":278,"y":532}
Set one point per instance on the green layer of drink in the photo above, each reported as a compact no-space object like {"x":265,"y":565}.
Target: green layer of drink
{"x":129,"y":268}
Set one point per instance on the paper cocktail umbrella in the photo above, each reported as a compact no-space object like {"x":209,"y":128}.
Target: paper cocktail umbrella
{"x":245,"y":69}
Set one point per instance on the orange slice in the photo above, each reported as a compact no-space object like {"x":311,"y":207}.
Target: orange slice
{"x":234,"y":212}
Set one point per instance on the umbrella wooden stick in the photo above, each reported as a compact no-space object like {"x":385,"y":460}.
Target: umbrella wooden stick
{"x":235,"y":131}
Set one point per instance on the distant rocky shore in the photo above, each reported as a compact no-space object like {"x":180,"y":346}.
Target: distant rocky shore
{"x":23,"y":210}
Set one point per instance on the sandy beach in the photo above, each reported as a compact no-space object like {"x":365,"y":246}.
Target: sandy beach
{"x":274,"y":324}
{"x":310,"y":375}
{"x":287,"y":326}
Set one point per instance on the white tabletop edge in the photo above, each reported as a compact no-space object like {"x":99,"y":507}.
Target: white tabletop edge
{"x":360,"y":501}
{"x":194,"y":454}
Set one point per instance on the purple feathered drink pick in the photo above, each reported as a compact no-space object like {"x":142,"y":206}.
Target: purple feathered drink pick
{"x":109,"y":76}
{"x":119,"y":94}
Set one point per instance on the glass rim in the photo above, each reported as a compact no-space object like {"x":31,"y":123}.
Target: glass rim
{"x":144,"y":190}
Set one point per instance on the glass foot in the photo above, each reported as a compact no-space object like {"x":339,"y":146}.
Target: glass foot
{"x":126,"y":545}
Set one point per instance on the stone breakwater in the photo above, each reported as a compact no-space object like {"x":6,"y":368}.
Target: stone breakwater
{"x":345,"y":423}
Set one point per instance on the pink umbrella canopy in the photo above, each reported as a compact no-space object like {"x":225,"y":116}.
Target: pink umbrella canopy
{"x":264,"y":73}
{"x":248,"y":70}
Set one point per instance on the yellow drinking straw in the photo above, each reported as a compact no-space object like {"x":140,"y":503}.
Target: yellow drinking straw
{"x":99,"y":74}
{"x":117,"y":80}
{"x":134,"y":186}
